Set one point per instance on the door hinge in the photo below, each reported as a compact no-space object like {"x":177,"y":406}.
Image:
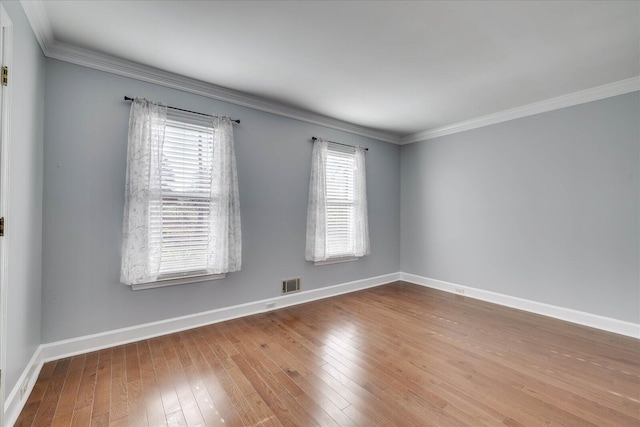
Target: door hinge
{"x":1,"y":226}
{"x":5,"y":76}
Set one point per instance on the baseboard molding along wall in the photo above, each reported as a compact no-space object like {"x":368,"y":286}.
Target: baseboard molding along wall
{"x":14,"y":403}
{"x":66,"y":348}
{"x":569,"y":315}
{"x":71,"y":347}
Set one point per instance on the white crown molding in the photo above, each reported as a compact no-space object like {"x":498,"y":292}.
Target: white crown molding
{"x":562,"y":313}
{"x":79,"y":56}
{"x":37,"y":16}
{"x":39,"y":21}
{"x":600,"y":92}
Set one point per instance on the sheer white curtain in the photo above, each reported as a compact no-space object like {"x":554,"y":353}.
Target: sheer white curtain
{"x":142,"y":230}
{"x":142,"y":243}
{"x":225,"y":238}
{"x":357,"y":224}
{"x":361,"y":234}
{"x":317,"y":209}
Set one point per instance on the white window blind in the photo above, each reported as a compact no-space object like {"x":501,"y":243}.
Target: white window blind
{"x":186,"y":198}
{"x":340,"y":208}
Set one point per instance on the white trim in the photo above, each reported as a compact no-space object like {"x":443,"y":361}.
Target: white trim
{"x":70,"y":347}
{"x":80,"y":345}
{"x":60,"y":349}
{"x":161,"y":283}
{"x":6,"y":56}
{"x":336,"y":260}
{"x":37,"y":16}
{"x":15,"y":402}
{"x":110,"y":64}
{"x":600,"y":92}
{"x":569,"y":315}
{"x":39,"y":21}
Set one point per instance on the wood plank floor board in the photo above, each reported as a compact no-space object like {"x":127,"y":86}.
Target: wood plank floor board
{"x":101,"y":420}
{"x":49,"y":402}
{"x":319,"y":399}
{"x":186,"y":398}
{"x":264,"y":368}
{"x":86,"y":390}
{"x":271,"y":399}
{"x":102,"y":390}
{"x":299,"y":347}
{"x":316,"y":386}
{"x":81,"y":417}
{"x":202,"y":398}
{"x":119,"y":405}
{"x":393,"y":355}
{"x":212,"y":370}
{"x":361,"y":418}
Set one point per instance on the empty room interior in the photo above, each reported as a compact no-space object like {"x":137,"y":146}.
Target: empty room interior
{"x":320,"y":213}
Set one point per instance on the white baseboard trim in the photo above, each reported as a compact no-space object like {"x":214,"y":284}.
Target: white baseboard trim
{"x":66,"y":348}
{"x":71,"y":347}
{"x":15,"y":401}
{"x":569,"y":315}
{"x":61,"y":349}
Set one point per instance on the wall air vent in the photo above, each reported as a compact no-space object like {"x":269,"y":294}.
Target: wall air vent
{"x":290,"y":285}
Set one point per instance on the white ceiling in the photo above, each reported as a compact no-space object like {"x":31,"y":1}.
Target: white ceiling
{"x":398,"y":67}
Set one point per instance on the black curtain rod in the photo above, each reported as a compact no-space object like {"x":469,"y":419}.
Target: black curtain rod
{"x":128,"y":98}
{"x":313,"y":138}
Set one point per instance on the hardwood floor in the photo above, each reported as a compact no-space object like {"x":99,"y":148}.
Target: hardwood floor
{"x":398,"y":354}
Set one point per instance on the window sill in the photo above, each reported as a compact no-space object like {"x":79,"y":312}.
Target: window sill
{"x":177,"y":281}
{"x":337,"y":260}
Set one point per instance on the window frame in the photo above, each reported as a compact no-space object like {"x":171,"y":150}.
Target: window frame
{"x":336,"y":151}
{"x":185,"y":276}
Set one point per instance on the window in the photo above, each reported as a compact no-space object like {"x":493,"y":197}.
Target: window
{"x":187,"y":200}
{"x":340,"y":205}
{"x":181,"y":216}
{"x":337,"y":222}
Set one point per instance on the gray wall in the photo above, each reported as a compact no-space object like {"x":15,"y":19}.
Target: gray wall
{"x":544,"y":208}
{"x":86,"y":123}
{"x":24,"y":219}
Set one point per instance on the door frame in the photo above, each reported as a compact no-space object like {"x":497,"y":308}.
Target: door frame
{"x":6,"y":55}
